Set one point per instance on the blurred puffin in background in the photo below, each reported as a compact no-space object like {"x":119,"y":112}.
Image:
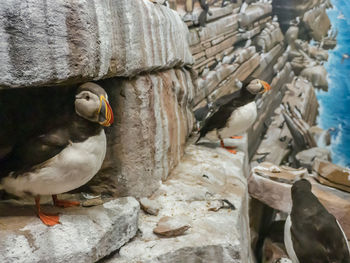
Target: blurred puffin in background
{"x":233,"y":114}
{"x":64,"y":158}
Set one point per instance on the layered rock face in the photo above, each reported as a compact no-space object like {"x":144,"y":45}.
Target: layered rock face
{"x":153,"y":120}
{"x":50,"y":42}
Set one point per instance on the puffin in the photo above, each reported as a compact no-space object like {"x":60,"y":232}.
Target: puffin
{"x":234,"y":113}
{"x":64,"y":157}
{"x":311,"y":233}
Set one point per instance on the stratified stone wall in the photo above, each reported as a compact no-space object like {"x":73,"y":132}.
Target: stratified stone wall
{"x":153,"y":119}
{"x":50,"y":42}
{"x":242,"y":42}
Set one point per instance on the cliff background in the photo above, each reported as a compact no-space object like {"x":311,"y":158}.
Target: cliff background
{"x":160,"y":66}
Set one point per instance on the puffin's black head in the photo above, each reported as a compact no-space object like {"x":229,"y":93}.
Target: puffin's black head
{"x":257,"y":86}
{"x":91,"y":103}
{"x":301,"y":185}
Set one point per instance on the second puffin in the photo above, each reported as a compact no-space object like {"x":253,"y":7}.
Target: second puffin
{"x":234,"y":113}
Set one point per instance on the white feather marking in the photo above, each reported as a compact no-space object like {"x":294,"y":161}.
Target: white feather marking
{"x":346,"y":239}
{"x":288,"y":241}
{"x":240,"y":120}
{"x":70,"y":169}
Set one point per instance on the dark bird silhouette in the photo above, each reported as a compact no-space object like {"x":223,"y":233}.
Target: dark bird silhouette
{"x":234,"y":112}
{"x":62,"y":158}
{"x":311,"y":233}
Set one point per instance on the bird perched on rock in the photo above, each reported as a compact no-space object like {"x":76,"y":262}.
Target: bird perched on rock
{"x":311,"y":233}
{"x":234,"y":113}
{"x":64,"y":158}
{"x":202,"y":19}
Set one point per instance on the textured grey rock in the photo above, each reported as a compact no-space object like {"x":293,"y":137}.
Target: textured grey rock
{"x":153,"y":118}
{"x":190,"y":191}
{"x":85,"y":235}
{"x":269,"y":37}
{"x":216,"y":28}
{"x":322,"y":137}
{"x":317,"y":75}
{"x":254,"y":12}
{"x":49,"y":42}
{"x":307,"y":157}
{"x":317,"y":22}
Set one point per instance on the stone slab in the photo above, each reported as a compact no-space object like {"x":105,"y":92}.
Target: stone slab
{"x":84,"y":235}
{"x":194,"y":190}
{"x":50,"y":42}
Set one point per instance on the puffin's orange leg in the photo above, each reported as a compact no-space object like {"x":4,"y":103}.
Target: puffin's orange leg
{"x":236,"y":137}
{"x":230,"y":149}
{"x":64,"y":203}
{"x":47,"y":219}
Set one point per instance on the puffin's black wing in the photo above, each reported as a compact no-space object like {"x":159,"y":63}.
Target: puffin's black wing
{"x":225,"y":105}
{"x":316,"y":237}
{"x":33,"y":152}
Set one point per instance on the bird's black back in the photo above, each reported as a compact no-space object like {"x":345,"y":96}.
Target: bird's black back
{"x":225,"y":105}
{"x":315,"y":234}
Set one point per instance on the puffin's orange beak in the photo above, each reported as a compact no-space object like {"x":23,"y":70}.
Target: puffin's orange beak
{"x":266,"y":86}
{"x":105,"y":112}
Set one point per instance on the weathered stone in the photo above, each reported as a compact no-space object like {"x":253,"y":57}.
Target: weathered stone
{"x":301,"y":95}
{"x":218,"y":27}
{"x":317,"y":76}
{"x":244,"y":54}
{"x":317,"y":22}
{"x":193,"y":186}
{"x":322,"y":137}
{"x":253,"y":13}
{"x":222,"y":46}
{"x":273,"y":251}
{"x":288,"y":10}
{"x":92,"y":202}
{"x":194,"y":37}
{"x":84,"y":235}
{"x":281,"y":62}
{"x":172,"y":226}
{"x":149,"y":206}
{"x":291,"y":35}
{"x":331,"y":174}
{"x":45,"y":43}
{"x":307,"y":157}
{"x":269,"y":37}
{"x":153,"y":118}
{"x":266,"y":60}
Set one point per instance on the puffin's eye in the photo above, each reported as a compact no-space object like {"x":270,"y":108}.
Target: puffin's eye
{"x":87,"y":97}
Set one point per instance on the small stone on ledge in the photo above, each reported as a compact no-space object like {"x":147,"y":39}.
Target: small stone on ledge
{"x":172,"y":226}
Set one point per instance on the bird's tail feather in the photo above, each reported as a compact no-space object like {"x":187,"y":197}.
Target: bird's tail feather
{"x":199,"y":137}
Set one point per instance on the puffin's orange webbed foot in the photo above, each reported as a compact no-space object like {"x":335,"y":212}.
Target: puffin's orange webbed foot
{"x":231,"y":150}
{"x":64,"y":203}
{"x":236,"y":137}
{"x":49,"y":219}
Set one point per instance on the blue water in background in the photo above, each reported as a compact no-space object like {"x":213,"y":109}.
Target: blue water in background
{"x":335,"y":104}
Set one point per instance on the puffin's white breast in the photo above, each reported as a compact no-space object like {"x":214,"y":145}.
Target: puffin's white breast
{"x":241,"y":119}
{"x":70,"y":169}
{"x":288,"y":241}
